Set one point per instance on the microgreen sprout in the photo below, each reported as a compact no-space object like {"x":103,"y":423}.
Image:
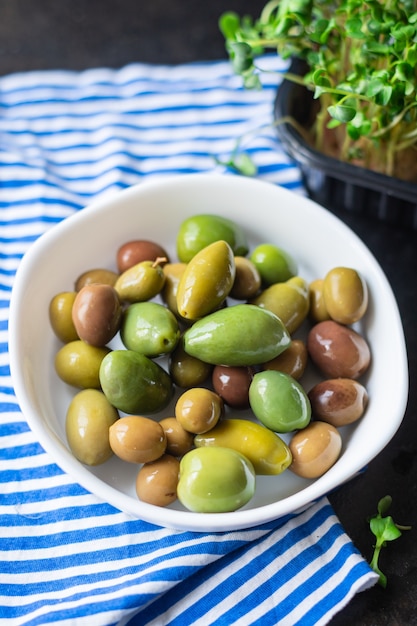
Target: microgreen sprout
{"x":361,"y":60}
{"x":385,"y":529}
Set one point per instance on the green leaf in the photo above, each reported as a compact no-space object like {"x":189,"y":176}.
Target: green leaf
{"x":354,"y":28}
{"x":242,"y":59}
{"x":342,"y":112}
{"x":229,"y":24}
{"x":384,"y":95}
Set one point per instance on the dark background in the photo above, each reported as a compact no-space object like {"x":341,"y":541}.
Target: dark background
{"x":76,"y":34}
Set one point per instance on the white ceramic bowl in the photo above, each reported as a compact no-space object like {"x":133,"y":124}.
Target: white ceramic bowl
{"x":154,"y":210}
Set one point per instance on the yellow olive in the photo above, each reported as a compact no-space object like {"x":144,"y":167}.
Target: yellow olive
{"x":137,"y":439}
{"x":198,"y":409}
{"x":315,"y":449}
{"x":179,"y":441}
{"x":173,"y":273}
{"x":292,"y":361}
{"x":345,"y":295}
{"x":99,"y":276}
{"x":318,"y":311}
{"x":267,"y":452}
{"x":157,"y":481}
{"x":247,"y":279}
{"x":206,"y":281}
{"x":338,"y":401}
{"x":88,"y":419}
{"x":141,"y":282}
{"x":78,"y":364}
{"x":288,"y":300}
{"x":60,"y":316}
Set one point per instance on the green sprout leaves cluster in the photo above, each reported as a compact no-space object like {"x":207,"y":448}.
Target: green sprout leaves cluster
{"x":385,"y":529}
{"x":361,"y":60}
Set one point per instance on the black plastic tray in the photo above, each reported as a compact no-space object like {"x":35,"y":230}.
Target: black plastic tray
{"x":335,"y":184}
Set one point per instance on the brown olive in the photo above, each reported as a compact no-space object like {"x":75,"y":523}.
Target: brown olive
{"x":87,"y":424}
{"x":99,"y":275}
{"x":186,"y":370}
{"x":338,"y":401}
{"x":198,"y":409}
{"x":137,"y":439}
{"x":315,"y":449}
{"x":60,"y":316}
{"x":232,"y":384}
{"x":157,"y":481}
{"x":317,"y":311}
{"x":179,"y":441}
{"x":97,"y":314}
{"x":78,"y":364}
{"x":292,"y":361}
{"x":133,"y":252}
{"x":337,"y":350}
{"x":345,"y":295}
{"x":247,"y":279}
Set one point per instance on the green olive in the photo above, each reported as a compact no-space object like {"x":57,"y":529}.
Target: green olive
{"x":137,"y":439}
{"x":289,"y":300}
{"x":215,"y":480}
{"x":198,"y":409}
{"x":87,"y":424}
{"x":60,"y":316}
{"x":157,"y":481}
{"x":274,"y":264}
{"x":315,"y":449}
{"x":149,"y":328}
{"x":318,"y":311}
{"x":173,"y":273}
{"x":345,"y":295}
{"x":78,"y":364}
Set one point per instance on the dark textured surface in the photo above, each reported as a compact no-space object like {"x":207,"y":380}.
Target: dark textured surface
{"x":75,"y":34}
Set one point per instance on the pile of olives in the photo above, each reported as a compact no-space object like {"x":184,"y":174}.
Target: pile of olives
{"x":217,"y":327}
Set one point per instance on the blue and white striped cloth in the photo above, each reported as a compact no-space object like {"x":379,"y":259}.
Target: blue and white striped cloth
{"x":67,"y":558}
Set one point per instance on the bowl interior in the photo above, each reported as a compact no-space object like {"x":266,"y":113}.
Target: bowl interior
{"x":155,"y":210}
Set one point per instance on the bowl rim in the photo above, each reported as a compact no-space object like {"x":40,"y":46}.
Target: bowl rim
{"x":216,"y":522}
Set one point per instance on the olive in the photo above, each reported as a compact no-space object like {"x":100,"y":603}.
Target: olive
{"x":232,"y":384}
{"x":206,"y":281}
{"x":247,"y":280}
{"x":274,"y":264}
{"x":292,"y":361}
{"x":173,"y":273}
{"x":88,"y":419}
{"x":345,"y":295}
{"x":149,"y":328}
{"x":198,"y":409}
{"x":156,"y":482}
{"x":179,"y":441}
{"x":133,"y":252}
{"x":267,"y":452}
{"x":140,"y":282}
{"x":97,"y":314}
{"x":60,"y":316}
{"x":99,"y":276}
{"x":338,"y":401}
{"x":289,"y":300}
{"x":137,"y":439}
{"x":215,"y":480}
{"x":318,"y":311}
{"x":186,"y":370}
{"x":133,"y":383}
{"x":78,"y":364}
{"x":199,"y":231}
{"x":279,"y":401}
{"x":337,"y":350}
{"x":315,"y":449}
